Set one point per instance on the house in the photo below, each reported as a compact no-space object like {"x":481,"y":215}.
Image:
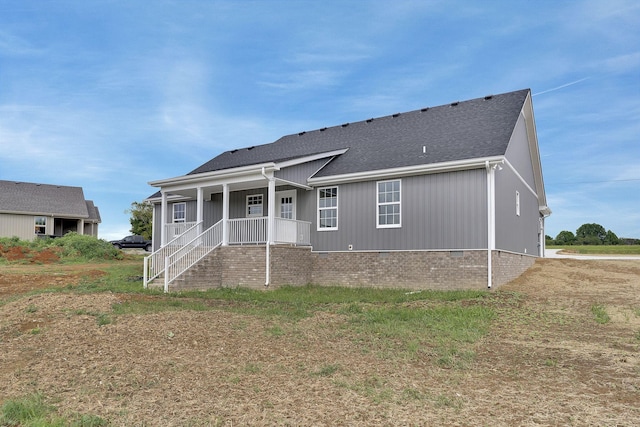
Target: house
{"x":447,"y":197}
{"x":29,"y":210}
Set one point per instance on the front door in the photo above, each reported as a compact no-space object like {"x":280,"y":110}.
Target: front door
{"x":286,"y":231}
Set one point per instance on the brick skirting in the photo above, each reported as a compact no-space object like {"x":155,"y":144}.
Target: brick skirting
{"x":439,"y":270}
{"x":507,"y":266}
{"x":245,"y":266}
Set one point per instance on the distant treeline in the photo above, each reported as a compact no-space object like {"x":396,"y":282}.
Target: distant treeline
{"x":590,"y":234}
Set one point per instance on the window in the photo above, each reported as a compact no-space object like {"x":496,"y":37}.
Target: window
{"x":41,"y":225}
{"x":517,"y":203}
{"x":254,"y":205}
{"x":179,"y":212}
{"x":328,"y":208}
{"x":388,"y":204}
{"x":286,"y":207}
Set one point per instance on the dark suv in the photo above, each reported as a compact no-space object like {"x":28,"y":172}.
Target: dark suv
{"x":132,"y":242}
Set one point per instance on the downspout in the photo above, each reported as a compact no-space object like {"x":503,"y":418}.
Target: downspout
{"x":489,"y":223}
{"x":491,"y":215}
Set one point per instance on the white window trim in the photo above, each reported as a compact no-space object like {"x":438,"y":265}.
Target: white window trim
{"x":173,"y":213}
{"x":517,"y":203}
{"x":261,"y":214}
{"x":327,"y":208}
{"x":378,"y":204}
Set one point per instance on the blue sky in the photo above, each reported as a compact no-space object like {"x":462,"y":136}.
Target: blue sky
{"x":109,"y":95}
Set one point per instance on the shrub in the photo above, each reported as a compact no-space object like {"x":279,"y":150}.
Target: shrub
{"x":86,"y":247}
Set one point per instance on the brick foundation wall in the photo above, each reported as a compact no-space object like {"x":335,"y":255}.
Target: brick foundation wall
{"x":227,"y":266}
{"x":507,"y":266}
{"x":411,"y":269}
{"x":291,"y":265}
{"x":232,"y":266}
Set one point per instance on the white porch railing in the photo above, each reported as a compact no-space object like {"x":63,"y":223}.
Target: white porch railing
{"x":292,"y":231}
{"x":248,"y":230}
{"x":255,"y":230}
{"x":154,"y":264}
{"x":175,"y":229}
{"x":187,"y":256}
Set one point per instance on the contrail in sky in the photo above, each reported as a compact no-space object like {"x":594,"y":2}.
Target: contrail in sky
{"x":563,"y":86}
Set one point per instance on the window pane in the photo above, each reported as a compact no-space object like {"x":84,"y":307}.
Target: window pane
{"x":254,"y":205}
{"x":328,"y":218}
{"x":389,"y":203}
{"x":327,"y":206}
{"x":179,"y":212}
{"x":40,"y":225}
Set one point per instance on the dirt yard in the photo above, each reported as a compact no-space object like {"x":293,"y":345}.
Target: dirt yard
{"x":545,"y":362}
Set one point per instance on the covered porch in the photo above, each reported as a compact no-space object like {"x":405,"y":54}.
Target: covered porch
{"x":184,"y":243}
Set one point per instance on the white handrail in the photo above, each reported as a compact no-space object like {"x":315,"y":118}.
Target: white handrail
{"x":176,"y":229}
{"x":192,"y":252}
{"x":154,"y":264}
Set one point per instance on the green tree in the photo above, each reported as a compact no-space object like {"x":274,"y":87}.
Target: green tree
{"x":548,"y":240}
{"x":591,"y":234}
{"x":565,"y":238}
{"x":141,"y":219}
{"x":611,"y":238}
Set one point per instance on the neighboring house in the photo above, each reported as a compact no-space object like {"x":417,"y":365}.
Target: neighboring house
{"x":30,"y":210}
{"x":446,"y":197}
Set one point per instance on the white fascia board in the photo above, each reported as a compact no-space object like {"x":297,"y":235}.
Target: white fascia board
{"x":47,"y":214}
{"x":534,"y":148}
{"x":223,"y":175}
{"x":407,"y":170}
{"x":170,"y":198}
{"x":293,"y":184}
{"x":311,"y":158}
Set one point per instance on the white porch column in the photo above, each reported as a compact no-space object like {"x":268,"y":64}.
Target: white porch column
{"x":200,"y":208}
{"x":225,"y":214}
{"x":271,"y":214}
{"x":80,"y":226}
{"x":163,"y":220}
{"x":271,"y":210}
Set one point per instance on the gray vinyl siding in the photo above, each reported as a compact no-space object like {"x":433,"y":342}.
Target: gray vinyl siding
{"x":300,"y":173}
{"x":515,"y":233}
{"x":439,"y":211}
{"x":213,"y":210}
{"x":518,"y":153}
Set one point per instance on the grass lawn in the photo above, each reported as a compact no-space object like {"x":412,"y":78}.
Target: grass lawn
{"x":83,"y":344}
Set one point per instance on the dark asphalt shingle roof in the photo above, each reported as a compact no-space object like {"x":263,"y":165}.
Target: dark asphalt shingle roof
{"x":92,"y":210}
{"x":45,"y":199}
{"x":471,"y":129}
